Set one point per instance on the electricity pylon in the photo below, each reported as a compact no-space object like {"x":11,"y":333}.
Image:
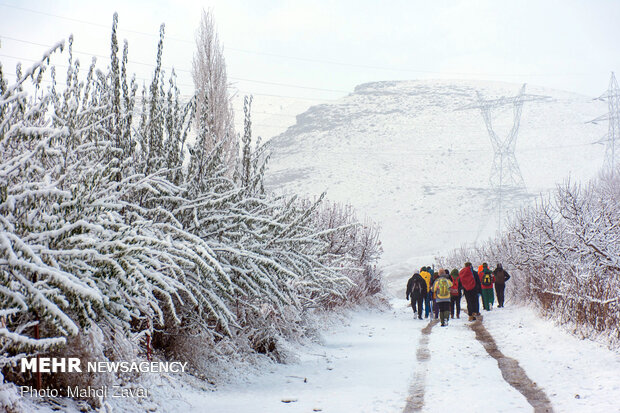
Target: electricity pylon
{"x":612,"y":151}
{"x":505,"y":172}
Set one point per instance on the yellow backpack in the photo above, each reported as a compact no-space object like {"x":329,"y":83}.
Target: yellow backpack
{"x":443,"y":288}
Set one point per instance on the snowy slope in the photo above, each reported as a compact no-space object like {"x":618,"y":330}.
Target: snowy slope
{"x":403,"y":155}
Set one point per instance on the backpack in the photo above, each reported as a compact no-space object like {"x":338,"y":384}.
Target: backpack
{"x":467,"y":279}
{"x":487,"y":280}
{"x":454,"y":290}
{"x":443,"y":289}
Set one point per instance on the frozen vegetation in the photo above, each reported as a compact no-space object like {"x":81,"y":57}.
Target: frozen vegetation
{"x":114,"y":245}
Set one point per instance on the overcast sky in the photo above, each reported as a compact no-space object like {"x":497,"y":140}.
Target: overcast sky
{"x":333,"y":45}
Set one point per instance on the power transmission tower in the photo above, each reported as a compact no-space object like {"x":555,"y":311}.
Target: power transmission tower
{"x":612,"y":151}
{"x":505,"y":175}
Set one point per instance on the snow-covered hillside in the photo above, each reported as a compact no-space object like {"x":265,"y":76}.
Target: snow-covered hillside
{"x":403,"y":154}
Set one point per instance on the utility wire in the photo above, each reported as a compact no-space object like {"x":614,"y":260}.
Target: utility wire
{"x":304,"y":59}
{"x":307,"y":99}
{"x":191,"y":86}
{"x":180,"y":70}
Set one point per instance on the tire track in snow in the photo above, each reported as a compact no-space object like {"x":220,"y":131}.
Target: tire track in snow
{"x":415,"y":401}
{"x":512,"y":372}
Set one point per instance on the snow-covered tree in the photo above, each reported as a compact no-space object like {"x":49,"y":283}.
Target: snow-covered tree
{"x":215,"y":117}
{"x":106,"y":234}
{"x":564,"y":255}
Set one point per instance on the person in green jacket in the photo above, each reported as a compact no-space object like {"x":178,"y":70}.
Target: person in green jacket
{"x":486,"y":284}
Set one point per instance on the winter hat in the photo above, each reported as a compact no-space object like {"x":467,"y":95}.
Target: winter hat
{"x":454,"y":273}
{"x":485,"y":265}
{"x":468,"y":264}
{"x":447,"y":272}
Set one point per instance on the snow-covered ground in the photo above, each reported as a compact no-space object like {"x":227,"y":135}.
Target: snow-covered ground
{"x":381,"y":361}
{"x":373,"y":364}
{"x":370,"y":365}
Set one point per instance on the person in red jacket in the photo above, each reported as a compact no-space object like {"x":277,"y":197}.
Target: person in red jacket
{"x":466,"y":276}
{"x":486,"y":284}
{"x":455,"y":293}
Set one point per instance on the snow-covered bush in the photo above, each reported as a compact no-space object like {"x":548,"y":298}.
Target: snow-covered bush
{"x":104,"y":227}
{"x":9,"y":397}
{"x":564,"y":255}
{"x":354,"y":249}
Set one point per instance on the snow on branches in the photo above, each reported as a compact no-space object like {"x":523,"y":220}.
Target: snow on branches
{"x":103,"y":223}
{"x":564,"y":253}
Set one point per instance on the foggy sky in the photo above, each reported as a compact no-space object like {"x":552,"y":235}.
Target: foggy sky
{"x":335,"y":45}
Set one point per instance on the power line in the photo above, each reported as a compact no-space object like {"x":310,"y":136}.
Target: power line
{"x":425,"y":152}
{"x":83,"y":21}
{"x":305,"y":59}
{"x":284,"y":96}
{"x":182,"y":70}
{"x":192,"y":86}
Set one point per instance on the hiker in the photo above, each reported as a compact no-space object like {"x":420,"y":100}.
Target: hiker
{"x":455,"y":293}
{"x":434,"y":277}
{"x":427,"y":302}
{"x":486,"y":284}
{"x":477,"y":275}
{"x":470,"y":286}
{"x":441,"y":288}
{"x":416,"y":289}
{"x":501,"y":276}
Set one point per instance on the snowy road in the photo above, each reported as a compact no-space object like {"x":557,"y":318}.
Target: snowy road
{"x":382,"y":362}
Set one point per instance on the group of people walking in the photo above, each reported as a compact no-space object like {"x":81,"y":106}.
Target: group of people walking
{"x":441,"y":291}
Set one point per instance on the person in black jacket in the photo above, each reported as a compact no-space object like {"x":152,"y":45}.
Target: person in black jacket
{"x":416,"y":289}
{"x":501,"y":276}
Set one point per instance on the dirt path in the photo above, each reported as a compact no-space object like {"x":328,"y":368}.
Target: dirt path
{"x":512,"y":372}
{"x":415,"y":401}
